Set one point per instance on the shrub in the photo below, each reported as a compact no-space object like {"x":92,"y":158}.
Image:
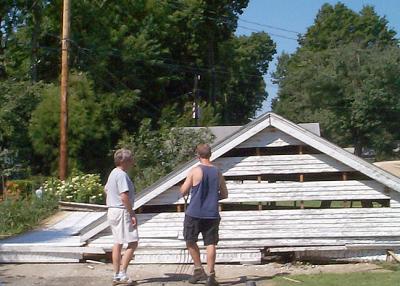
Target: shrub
{"x":158,"y":152}
{"x":17,"y":216}
{"x":81,"y":188}
{"x":19,"y":188}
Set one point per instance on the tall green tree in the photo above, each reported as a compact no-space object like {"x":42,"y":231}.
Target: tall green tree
{"x":155,"y":47}
{"x":336,"y":25}
{"x":138,"y":60}
{"x":93,"y":128}
{"x":18,"y":101}
{"x":344,"y":76}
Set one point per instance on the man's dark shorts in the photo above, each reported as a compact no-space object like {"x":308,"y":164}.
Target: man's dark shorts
{"x":209,"y":229}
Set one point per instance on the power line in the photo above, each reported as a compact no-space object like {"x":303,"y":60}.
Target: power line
{"x":227,"y":20}
{"x":269,"y":26}
{"x":173,"y":63}
{"x":272,"y":34}
{"x":125,"y":86}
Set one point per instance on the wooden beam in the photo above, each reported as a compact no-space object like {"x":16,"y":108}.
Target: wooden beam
{"x":301,"y":177}
{"x":258,"y":153}
{"x":344,"y":178}
{"x":394,"y":255}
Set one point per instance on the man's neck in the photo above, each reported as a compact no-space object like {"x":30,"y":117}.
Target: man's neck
{"x":206,"y":162}
{"x":121,"y":168}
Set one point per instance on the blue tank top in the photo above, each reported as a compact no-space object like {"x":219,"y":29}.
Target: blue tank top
{"x":205,"y":195}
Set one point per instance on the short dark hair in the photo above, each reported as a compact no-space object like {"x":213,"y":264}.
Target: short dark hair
{"x":203,"y":151}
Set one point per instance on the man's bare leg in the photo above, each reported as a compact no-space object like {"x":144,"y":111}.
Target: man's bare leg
{"x":211,"y":255}
{"x":194,"y":252}
{"x":116,"y":257}
{"x":128,"y":255}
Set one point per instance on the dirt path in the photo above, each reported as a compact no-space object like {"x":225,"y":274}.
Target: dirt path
{"x":168,"y":275}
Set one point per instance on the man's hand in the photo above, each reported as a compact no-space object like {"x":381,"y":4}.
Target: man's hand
{"x":134,"y":220}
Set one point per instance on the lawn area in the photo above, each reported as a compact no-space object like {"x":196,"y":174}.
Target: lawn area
{"x":343,"y":279}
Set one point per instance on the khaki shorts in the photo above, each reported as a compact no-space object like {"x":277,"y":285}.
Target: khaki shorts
{"x":121,"y":226}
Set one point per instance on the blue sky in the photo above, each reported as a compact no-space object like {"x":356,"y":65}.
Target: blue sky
{"x":296,"y":16}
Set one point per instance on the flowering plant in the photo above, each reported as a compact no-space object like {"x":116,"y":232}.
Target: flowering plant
{"x":82,"y":188}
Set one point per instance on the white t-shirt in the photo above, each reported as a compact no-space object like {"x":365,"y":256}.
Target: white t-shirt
{"x":119,"y":182}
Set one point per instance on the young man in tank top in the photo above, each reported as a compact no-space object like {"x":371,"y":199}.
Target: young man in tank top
{"x":206,"y":186}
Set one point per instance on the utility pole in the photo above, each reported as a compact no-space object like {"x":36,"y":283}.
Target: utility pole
{"x":63,"y":163}
{"x":195,"y":109}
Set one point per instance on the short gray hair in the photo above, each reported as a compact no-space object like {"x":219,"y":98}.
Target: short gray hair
{"x":122,"y":155}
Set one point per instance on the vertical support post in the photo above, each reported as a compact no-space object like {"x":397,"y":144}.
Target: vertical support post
{"x":345,"y":203}
{"x":301,"y":176}
{"x":63,"y":163}
{"x":258,"y":153}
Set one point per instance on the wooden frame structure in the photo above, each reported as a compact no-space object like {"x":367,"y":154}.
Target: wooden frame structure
{"x":289,"y":191}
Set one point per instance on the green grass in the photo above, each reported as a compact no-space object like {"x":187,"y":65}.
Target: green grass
{"x":17,"y":216}
{"x":345,"y":279}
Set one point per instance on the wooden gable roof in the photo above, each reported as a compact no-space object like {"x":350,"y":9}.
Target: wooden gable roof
{"x":287,"y":127}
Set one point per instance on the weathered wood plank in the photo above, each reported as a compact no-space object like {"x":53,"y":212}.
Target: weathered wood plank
{"x":270,"y":138}
{"x":336,"y":152}
{"x":276,"y":164}
{"x":281,"y":214}
{"x":263,"y":191}
{"x":92,"y":232}
{"x":183,"y":257}
{"x":293,"y":224}
{"x":305,"y":248}
{"x":16,"y":248}
{"x":32,"y":257}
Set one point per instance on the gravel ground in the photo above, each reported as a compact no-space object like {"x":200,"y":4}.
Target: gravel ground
{"x":85,"y":274}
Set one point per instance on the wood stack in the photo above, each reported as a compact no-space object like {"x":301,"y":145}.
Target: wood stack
{"x":57,"y":243}
{"x":290,"y":191}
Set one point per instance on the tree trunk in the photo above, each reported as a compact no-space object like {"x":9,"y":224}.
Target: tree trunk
{"x":211,"y":66}
{"x":2,"y":45}
{"x":36,"y":22}
{"x":358,"y":148}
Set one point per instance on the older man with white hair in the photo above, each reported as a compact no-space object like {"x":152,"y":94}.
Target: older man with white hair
{"x":121,"y":217}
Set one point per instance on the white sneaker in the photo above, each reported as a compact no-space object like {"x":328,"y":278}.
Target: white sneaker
{"x":122,"y":279}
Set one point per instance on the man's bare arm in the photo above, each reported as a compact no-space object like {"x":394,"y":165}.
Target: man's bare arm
{"x":128,"y":205}
{"x":187,"y":185}
{"x":223,"y":190}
